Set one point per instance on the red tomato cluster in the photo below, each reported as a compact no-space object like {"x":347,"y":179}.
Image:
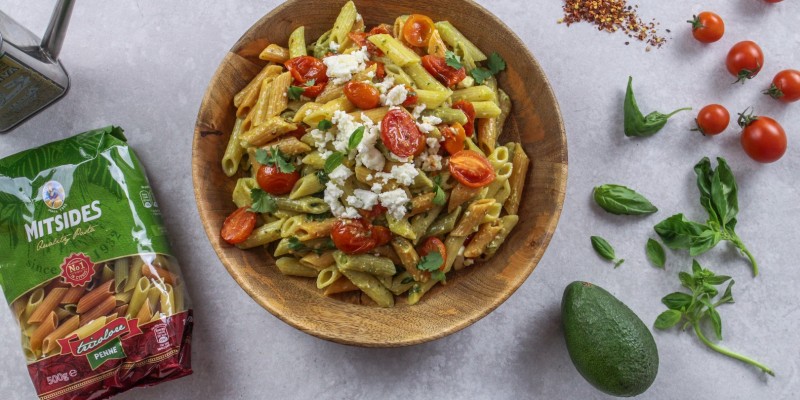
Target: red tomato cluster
{"x":310,"y":73}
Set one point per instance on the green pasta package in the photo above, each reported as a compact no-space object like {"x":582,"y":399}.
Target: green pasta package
{"x":86,"y":266}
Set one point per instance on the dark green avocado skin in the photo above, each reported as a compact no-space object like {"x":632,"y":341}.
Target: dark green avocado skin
{"x":610,"y":346}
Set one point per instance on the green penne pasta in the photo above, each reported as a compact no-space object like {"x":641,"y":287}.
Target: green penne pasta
{"x":396,"y":51}
{"x":448,"y":115}
{"x":310,"y":205}
{"x":423,"y":79}
{"x":475,"y":94}
{"x":306,"y":186}
{"x":263,"y":235}
{"x":292,"y":267}
{"x":234,"y":151}
{"x":486,"y":109}
{"x":378,"y":266}
{"x":445,"y":224}
{"x":371,"y":286}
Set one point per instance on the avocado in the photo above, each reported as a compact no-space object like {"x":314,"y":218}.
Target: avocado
{"x":610,"y":346}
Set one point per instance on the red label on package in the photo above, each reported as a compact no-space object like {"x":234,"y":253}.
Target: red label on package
{"x":116,"y":328}
{"x":77,"y":269}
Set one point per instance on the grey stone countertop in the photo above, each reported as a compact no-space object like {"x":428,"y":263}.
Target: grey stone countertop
{"x":144,"y":65}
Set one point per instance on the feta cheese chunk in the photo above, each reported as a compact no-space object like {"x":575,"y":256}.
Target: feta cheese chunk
{"x":342,"y":67}
{"x":395,"y":96}
{"x":395,"y":202}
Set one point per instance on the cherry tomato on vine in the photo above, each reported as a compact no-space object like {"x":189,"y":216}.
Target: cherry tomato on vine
{"x":707,"y":27}
{"x":437,"y":66}
{"x":713,"y":119}
{"x":400,"y":134}
{"x":469,"y":111}
{"x":417,"y":30}
{"x":431,"y":245}
{"x":358,"y":236}
{"x":745,"y":60}
{"x":454,"y":138}
{"x":271,"y":180}
{"x":305,"y":69}
{"x":238,"y":226}
{"x":471,"y":169}
{"x":763,"y":138}
{"x":362,"y":95}
{"x":785,"y":86}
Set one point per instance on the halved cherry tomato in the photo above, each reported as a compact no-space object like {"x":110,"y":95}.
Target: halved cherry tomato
{"x":273,"y":181}
{"x":377,"y":211}
{"x":469,"y":110}
{"x":745,"y":60}
{"x":400,"y":134}
{"x":431,"y":245}
{"x":763,"y":138}
{"x":382,"y":29}
{"x":357,"y":236}
{"x":713,"y":119}
{"x":707,"y":27}
{"x":418,"y":30}
{"x":307,"y":68}
{"x":454,"y":138}
{"x":380,"y":70}
{"x":785,"y":86}
{"x":471,"y":169}
{"x":360,"y":39}
{"x":299,"y":132}
{"x":238,"y":226}
{"x":411,"y":97}
{"x":362,"y":95}
{"x":437,"y":66}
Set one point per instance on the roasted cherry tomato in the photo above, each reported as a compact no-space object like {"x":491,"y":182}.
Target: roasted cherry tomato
{"x":400,"y":134}
{"x":380,"y":70}
{"x":454,"y":138}
{"x":238,"y":226}
{"x":362,"y":95}
{"x":437,"y":66}
{"x":707,"y":27}
{"x":469,"y":110}
{"x":304,"y":69}
{"x":273,"y":181}
{"x":418,"y":30}
{"x":377,"y":211}
{"x":411,"y":97}
{"x":745,"y":60}
{"x":299,"y":132}
{"x":357,"y":236}
{"x":471,"y":169}
{"x":763,"y":138}
{"x":433,"y":244}
{"x":785,"y":86}
{"x":713,"y":119}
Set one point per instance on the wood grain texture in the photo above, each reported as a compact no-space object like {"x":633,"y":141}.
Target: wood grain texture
{"x":470,"y":294}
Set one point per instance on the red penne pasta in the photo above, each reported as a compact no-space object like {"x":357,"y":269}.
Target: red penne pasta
{"x":93,"y":298}
{"x":49,"y":303}
{"x":153,"y":272}
{"x":50,"y":342}
{"x":100,"y":310}
{"x":45,"y":328}
{"x":73,"y":295}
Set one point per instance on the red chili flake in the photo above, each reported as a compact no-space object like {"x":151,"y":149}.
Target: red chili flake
{"x":612,"y":16}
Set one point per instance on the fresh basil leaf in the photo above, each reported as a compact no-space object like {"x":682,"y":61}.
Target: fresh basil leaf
{"x":430,"y":262}
{"x":724,"y":193}
{"x":668,"y":319}
{"x":355,"y":138}
{"x":677,"y":301}
{"x":639,"y":125}
{"x":713,"y":315}
{"x":438,"y":275}
{"x":686,"y":280}
{"x":439,"y":197}
{"x":705,"y":174}
{"x":296,"y":245}
{"x":697,"y":270}
{"x":324,"y":125}
{"x":655,"y":253}
{"x":480,"y":74}
{"x":334,"y":160}
{"x":603,"y":248}
{"x":453,"y":59}
{"x":262,"y":202}
{"x":704,"y":242}
{"x":295,"y":92}
{"x":727,"y":297}
{"x":495,"y":63}
{"x":620,"y":200}
{"x":679,"y":233}
{"x":716,"y":279}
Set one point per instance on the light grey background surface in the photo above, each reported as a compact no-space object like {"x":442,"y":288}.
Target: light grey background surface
{"x":145,"y":65}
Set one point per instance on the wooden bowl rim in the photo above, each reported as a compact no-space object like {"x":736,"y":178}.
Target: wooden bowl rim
{"x":480,"y":312}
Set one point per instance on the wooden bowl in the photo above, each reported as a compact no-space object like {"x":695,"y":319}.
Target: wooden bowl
{"x":470,"y":294}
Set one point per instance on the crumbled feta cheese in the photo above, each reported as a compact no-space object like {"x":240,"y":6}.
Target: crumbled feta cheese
{"x":395,"y":157}
{"x":431,"y":162}
{"x":371,"y":74}
{"x":342,"y":67}
{"x":363,"y":199}
{"x":384,"y":86}
{"x":428,"y":123}
{"x":331,"y":197}
{"x":340,"y":174}
{"x":369,"y":177}
{"x":418,"y":111}
{"x":404,"y":174}
{"x":395,"y":97}
{"x":321,"y":140}
{"x":350,"y":213}
{"x":334,"y":46}
{"x":359,"y":18}
{"x":376,"y":188}
{"x":372,"y":158}
{"x":395,"y":202}
{"x":433,"y":145}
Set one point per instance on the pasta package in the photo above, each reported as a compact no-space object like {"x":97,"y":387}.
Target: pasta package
{"x":86,"y":266}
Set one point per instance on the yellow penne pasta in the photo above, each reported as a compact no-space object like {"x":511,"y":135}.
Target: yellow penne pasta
{"x":520,"y":163}
{"x":275,"y":53}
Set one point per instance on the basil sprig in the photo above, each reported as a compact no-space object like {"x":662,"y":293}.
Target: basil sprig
{"x":718,"y":195}
{"x":621,"y":200}
{"x":639,"y":125}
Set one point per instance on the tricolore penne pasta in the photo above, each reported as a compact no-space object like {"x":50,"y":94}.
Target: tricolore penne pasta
{"x":372,"y":160}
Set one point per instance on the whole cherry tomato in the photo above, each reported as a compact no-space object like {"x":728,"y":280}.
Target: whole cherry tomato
{"x":713,"y":119}
{"x":471,"y":169}
{"x":400,"y":134}
{"x":358,"y":236}
{"x":707,"y":27}
{"x":417,"y":30}
{"x":304,"y":69}
{"x":454,"y":138}
{"x":362,"y":95}
{"x":273,"y":181}
{"x":785,"y":86}
{"x":437,"y":66}
{"x":763,"y":138}
{"x":411,"y":97}
{"x":431,"y":245}
{"x":745,"y":60}
{"x":469,"y":110}
{"x":238,"y":226}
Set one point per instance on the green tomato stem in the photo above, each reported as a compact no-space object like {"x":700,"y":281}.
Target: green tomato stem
{"x":729,"y":353}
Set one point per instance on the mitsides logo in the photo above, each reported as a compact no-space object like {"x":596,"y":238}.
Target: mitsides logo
{"x":53,"y":195}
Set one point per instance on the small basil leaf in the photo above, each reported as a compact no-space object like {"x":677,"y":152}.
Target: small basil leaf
{"x":686,"y":280}
{"x":620,"y":200}
{"x":668,"y":319}
{"x":655,"y":253}
{"x":638,"y":125}
{"x":697,"y":270}
{"x":713,"y":315}
{"x":603,"y":248}
{"x":704,"y":242}
{"x":727,"y":297}
{"x":679,"y":233}
{"x":334,"y":160}
{"x":677,"y":301}
{"x":355,"y":138}
{"x":716,"y":279}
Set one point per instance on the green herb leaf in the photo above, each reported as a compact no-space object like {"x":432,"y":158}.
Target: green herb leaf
{"x":495,"y":63}
{"x":407,"y":280}
{"x":686,"y":280}
{"x":638,"y":125}
{"x":324,"y":125}
{"x":430,"y":262}
{"x":713,"y":315}
{"x":262,"y":202}
{"x":677,"y":301}
{"x":276,"y":158}
{"x":438,"y":275}
{"x":439,"y":197}
{"x":334,"y":160}
{"x":668,"y":319}
{"x":355,"y":138}
{"x":453,"y":59}
{"x":716,"y":279}
{"x":679,"y":233}
{"x":295,"y":92}
{"x":621,"y":200}
{"x":604,"y":249}
{"x":655,"y":253}
{"x":296,"y":245}
{"x":480,"y":74}
{"x":310,"y":83}
{"x":323,"y":177}
{"x":727,"y":297}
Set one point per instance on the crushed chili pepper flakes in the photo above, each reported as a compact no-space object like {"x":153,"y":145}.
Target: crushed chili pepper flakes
{"x":613,"y":16}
